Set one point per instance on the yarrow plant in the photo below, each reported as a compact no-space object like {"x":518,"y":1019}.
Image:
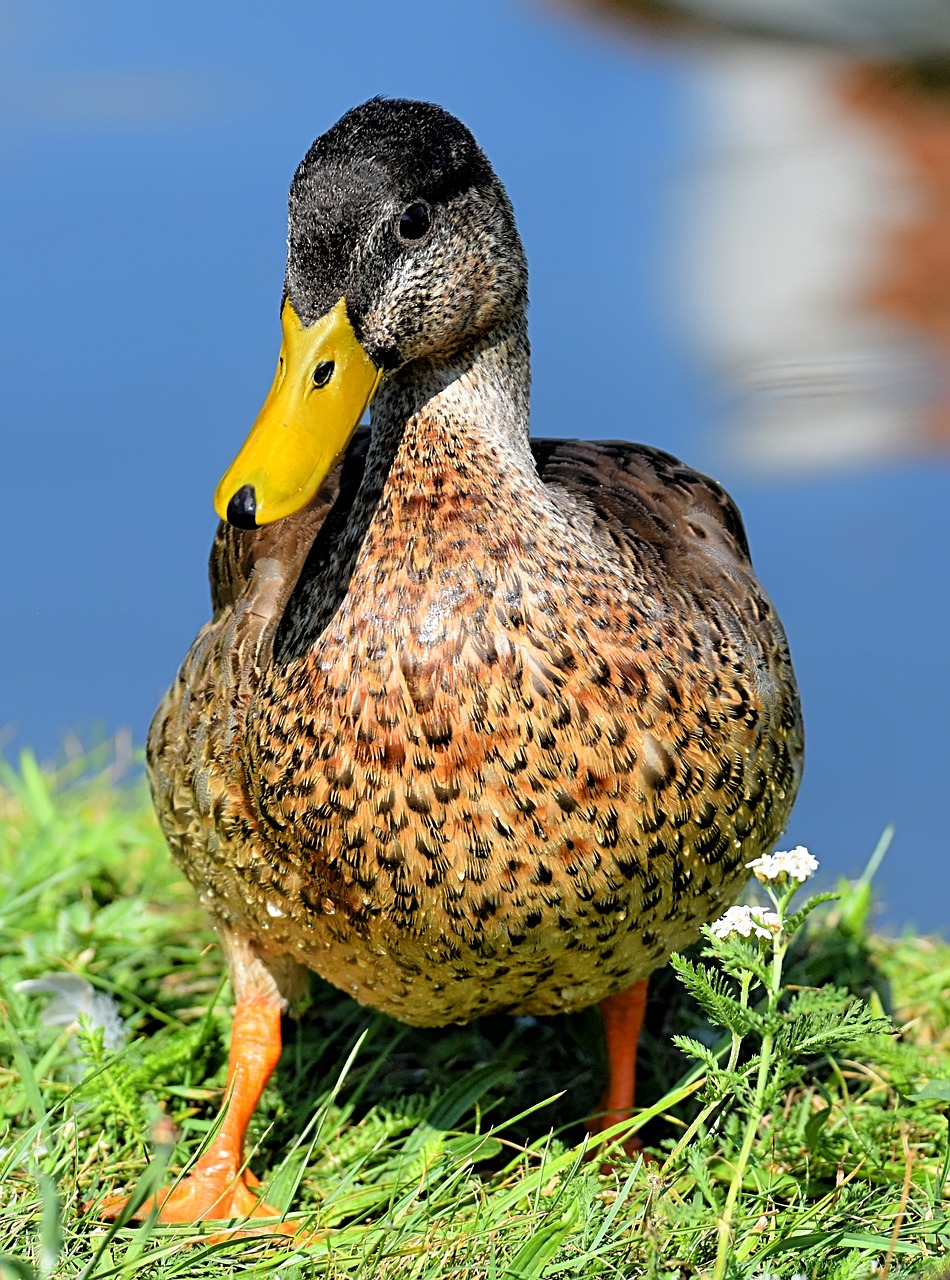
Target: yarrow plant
{"x":770,"y":1037}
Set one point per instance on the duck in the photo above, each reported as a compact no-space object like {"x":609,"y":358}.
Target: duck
{"x":481,"y":722}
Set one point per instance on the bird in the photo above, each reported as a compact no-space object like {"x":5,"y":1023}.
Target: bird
{"x":481,"y":722}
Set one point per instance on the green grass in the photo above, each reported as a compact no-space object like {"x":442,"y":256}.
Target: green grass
{"x":799,"y":1140}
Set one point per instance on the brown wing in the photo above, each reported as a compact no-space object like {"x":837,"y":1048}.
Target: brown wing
{"x":235,"y":553}
{"x":650,"y":494}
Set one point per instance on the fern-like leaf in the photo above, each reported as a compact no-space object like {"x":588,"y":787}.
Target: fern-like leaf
{"x":711,"y":991}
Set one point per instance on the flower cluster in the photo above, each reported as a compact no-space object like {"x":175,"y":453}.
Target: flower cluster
{"x":776,"y":868}
{"x":748,"y":922}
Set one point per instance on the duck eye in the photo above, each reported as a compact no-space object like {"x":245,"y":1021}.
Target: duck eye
{"x":415,"y":221}
{"x":323,"y":373}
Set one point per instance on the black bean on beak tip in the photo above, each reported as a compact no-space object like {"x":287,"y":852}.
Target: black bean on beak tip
{"x":242,"y":509}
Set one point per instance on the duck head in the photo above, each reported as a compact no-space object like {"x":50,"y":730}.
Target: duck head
{"x":402,"y":250}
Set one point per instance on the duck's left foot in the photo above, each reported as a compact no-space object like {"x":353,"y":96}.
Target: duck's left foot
{"x":213,"y":1192}
{"x":218,"y":1188}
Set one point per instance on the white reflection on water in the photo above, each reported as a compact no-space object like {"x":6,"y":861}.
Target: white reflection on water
{"x":795,"y":223}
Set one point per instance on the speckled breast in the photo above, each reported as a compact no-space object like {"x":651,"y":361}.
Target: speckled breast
{"x":477,"y":814}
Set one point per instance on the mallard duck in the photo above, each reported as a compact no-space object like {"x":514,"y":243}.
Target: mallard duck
{"x":480,"y":723}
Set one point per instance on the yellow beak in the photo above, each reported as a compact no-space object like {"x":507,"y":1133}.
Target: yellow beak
{"x":323,"y":384}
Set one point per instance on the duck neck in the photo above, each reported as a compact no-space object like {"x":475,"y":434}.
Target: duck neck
{"x":448,"y":475}
{"x":459,"y":425}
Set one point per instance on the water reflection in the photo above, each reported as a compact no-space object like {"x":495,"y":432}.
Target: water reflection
{"x":814,"y":253}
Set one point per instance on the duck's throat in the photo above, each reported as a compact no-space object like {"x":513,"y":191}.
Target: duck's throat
{"x":448,"y":482}
{"x":456,"y":429}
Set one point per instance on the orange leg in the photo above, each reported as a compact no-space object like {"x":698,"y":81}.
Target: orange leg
{"x":217,"y":1188}
{"x":623,"y":1018}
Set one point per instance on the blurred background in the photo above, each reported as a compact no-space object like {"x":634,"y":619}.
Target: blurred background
{"x":741,"y":208}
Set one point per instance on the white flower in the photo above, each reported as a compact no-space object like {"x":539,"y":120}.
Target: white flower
{"x":795,"y":864}
{"x":746,"y":921}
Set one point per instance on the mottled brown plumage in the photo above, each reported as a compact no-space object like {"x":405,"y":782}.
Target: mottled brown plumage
{"x":489,"y":725}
